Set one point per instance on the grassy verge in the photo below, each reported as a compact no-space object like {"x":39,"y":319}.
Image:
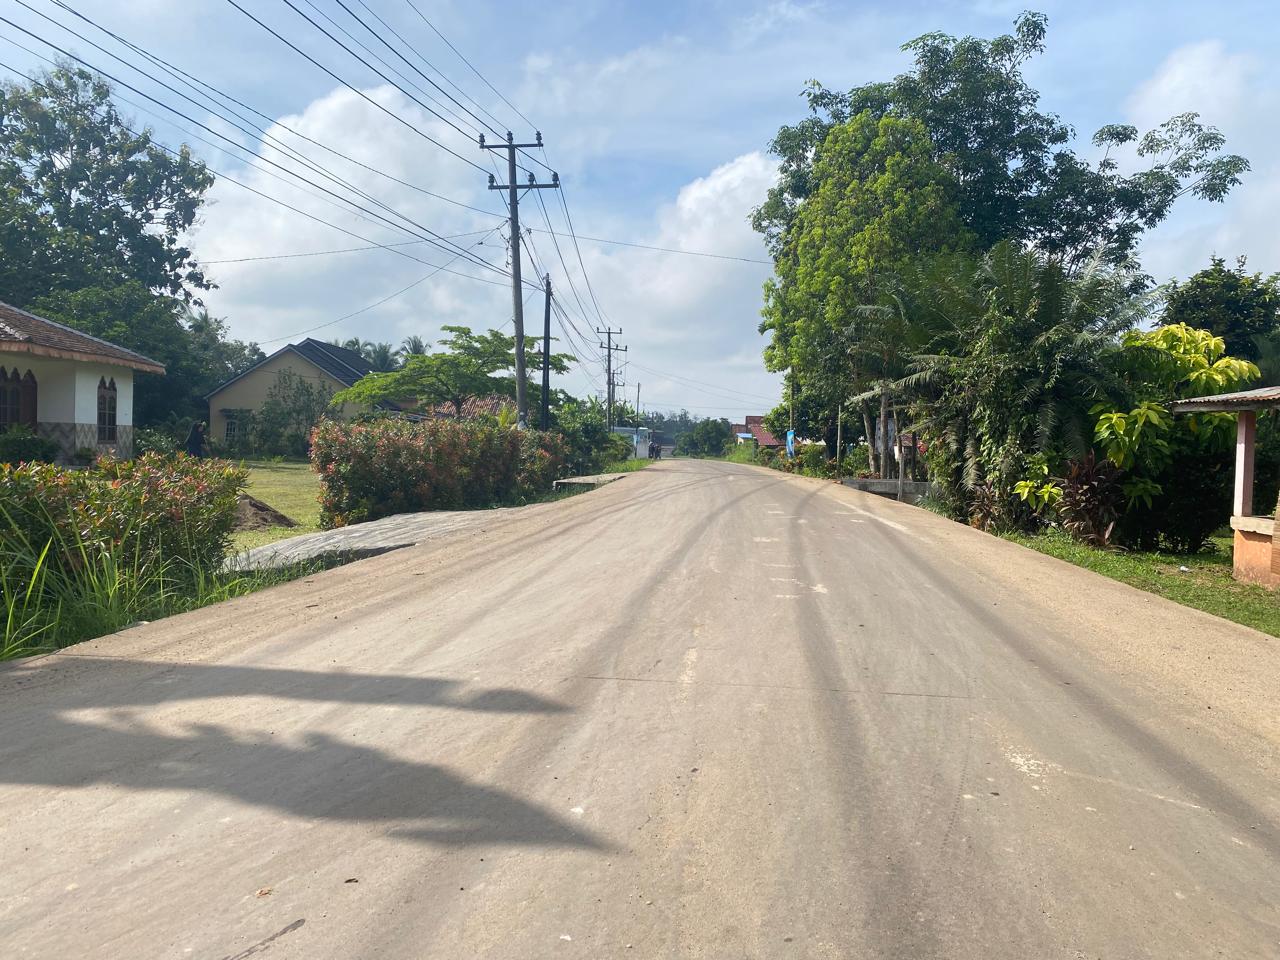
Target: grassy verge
{"x":1206,"y":583}
{"x":52,"y":608}
{"x":628,"y":466}
{"x":291,"y":488}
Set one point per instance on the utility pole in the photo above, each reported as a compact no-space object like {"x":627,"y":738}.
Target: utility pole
{"x":517,"y":304}
{"x":546,"y":357}
{"x":610,"y":350}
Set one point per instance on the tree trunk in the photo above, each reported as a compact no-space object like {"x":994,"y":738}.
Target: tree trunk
{"x":871,"y":438}
{"x":886,"y":462}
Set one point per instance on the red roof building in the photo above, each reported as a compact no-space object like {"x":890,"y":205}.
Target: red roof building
{"x":755,"y":427}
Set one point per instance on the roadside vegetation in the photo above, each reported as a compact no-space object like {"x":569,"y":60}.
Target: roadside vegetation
{"x":988,"y":304}
{"x":1201,"y":580}
{"x":87,"y":552}
{"x":291,"y":487}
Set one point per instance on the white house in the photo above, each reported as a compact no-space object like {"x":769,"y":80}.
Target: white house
{"x":74,"y":389}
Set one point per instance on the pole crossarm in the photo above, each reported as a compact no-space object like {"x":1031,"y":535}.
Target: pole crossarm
{"x":513,"y":189}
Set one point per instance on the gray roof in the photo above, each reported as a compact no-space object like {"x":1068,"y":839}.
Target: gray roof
{"x":345,"y":366}
{"x":1263,"y":398}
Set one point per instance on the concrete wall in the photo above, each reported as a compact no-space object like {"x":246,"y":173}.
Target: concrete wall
{"x":1251,"y":558}
{"x":67,"y":401}
{"x":250,"y":391}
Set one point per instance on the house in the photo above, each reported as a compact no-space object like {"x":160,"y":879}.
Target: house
{"x":1255,"y":555}
{"x":763,"y":438}
{"x":72,"y":388}
{"x":333,"y":366}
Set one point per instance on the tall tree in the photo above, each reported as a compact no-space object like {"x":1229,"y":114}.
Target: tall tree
{"x":1240,"y":307}
{"x":1016,"y":176}
{"x":87,"y":201}
{"x":877,"y":198}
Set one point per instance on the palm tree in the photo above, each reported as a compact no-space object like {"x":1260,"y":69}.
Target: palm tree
{"x":381,"y":356}
{"x":413,"y":346}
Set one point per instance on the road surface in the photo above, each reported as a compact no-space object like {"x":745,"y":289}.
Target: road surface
{"x":709,"y":711}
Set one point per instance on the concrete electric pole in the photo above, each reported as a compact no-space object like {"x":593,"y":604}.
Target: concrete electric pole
{"x":517,"y":303}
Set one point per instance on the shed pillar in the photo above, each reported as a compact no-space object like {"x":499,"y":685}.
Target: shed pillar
{"x":1246,"y":433}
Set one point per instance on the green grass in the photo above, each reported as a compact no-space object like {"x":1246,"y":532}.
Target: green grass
{"x":1206,"y":585}
{"x":291,"y":488}
{"x":628,"y":466}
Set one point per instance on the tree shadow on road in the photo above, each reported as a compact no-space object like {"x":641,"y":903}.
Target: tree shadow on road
{"x":321,"y":777}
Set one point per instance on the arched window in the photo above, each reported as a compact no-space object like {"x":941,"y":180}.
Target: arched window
{"x":17,"y":399}
{"x":106,"y":410}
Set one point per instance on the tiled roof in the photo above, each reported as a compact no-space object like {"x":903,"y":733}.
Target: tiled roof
{"x":23,"y":332}
{"x":755,"y":426}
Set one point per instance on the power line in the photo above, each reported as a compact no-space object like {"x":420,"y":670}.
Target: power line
{"x":322,"y":253}
{"x":414,"y":7}
{"x":192,"y":81}
{"x":645,"y":246}
{"x":352,"y":88}
{"x":706,"y":387}
{"x":365,"y":47}
{"x":411,"y":66}
{"x":229,"y":179}
{"x":377,"y":303}
{"x":446,"y":247}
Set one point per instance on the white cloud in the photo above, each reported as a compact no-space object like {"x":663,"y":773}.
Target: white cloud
{"x":1238,"y":93}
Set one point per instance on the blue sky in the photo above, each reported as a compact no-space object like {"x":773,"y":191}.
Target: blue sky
{"x":657,"y":116}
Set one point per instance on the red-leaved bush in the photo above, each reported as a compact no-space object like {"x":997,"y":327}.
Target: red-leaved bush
{"x":175,"y":511}
{"x":384,"y":467}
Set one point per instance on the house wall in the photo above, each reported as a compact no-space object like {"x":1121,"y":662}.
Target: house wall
{"x":250,"y":391}
{"x":67,"y":402}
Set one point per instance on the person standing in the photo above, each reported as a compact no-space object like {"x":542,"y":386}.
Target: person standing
{"x":196,"y":440}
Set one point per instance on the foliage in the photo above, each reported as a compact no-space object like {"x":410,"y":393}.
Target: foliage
{"x":475,"y":365}
{"x":1015,"y":352}
{"x":22,"y":445}
{"x":1038,"y":490}
{"x":293,"y":405}
{"x":1016,"y":176}
{"x":589,"y":444}
{"x":385,"y":467}
{"x":1230,"y":303}
{"x":87,"y":202}
{"x":877,"y":199}
{"x":1177,"y":478}
{"x":1089,"y":500}
{"x":85,"y":550}
{"x":708,"y":438}
{"x":191,"y":344}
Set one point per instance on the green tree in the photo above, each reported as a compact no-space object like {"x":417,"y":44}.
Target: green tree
{"x":877,"y":199}
{"x":383,"y":357}
{"x":475,"y":365}
{"x":1240,"y":307}
{"x":708,"y":438}
{"x":293,"y":406}
{"x":1013,"y":354}
{"x":1015,"y":174}
{"x":85,"y":201}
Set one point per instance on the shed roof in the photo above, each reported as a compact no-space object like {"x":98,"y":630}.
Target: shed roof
{"x":1262,"y":398}
{"x":23,"y":332}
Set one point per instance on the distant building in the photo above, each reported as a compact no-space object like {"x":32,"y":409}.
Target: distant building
{"x":326,"y":363}
{"x":67,"y":386}
{"x":755,"y":426}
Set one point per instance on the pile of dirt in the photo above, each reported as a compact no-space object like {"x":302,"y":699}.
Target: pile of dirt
{"x":253,"y":514}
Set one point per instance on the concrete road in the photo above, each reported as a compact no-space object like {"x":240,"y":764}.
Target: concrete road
{"x":707,"y":711}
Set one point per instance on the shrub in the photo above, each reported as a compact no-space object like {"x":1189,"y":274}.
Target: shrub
{"x":1089,"y":503}
{"x":21,"y":445}
{"x":372,"y":470}
{"x":85,"y":552}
